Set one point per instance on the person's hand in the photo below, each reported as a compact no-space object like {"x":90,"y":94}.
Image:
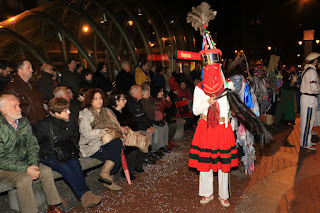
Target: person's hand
{"x":211,"y":101}
{"x":109,"y":93}
{"x":33,"y":171}
{"x":150,"y":130}
{"x":168,"y":98}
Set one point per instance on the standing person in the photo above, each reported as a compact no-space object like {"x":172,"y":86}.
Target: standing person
{"x":19,"y":158}
{"x":213,"y":146}
{"x":141,"y":73}
{"x":5,"y":69}
{"x":102,"y":80}
{"x":57,"y":131}
{"x":309,"y":91}
{"x":70,"y":77}
{"x":45,"y":82}
{"x":30,"y":97}
{"x":124,"y":79}
{"x":93,"y":119}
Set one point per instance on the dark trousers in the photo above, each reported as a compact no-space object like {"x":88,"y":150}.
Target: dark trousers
{"x":72,"y":173}
{"x":110,"y":151}
{"x":172,"y":130}
{"x":134,"y":158}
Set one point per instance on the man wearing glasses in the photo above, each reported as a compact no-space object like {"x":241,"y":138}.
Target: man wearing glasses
{"x":45,"y":82}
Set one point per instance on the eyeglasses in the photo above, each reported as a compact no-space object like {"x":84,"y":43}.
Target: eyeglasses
{"x":66,"y":110}
{"x":122,"y":99}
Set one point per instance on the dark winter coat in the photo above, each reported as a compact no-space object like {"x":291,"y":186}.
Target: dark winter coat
{"x":46,"y":85}
{"x":31,"y":102}
{"x":102,"y":81}
{"x":3,"y":82}
{"x":18,"y":147}
{"x":64,"y":132}
{"x":124,"y":81}
{"x":71,"y":79}
{"x":135,"y":108}
{"x":125,"y":118}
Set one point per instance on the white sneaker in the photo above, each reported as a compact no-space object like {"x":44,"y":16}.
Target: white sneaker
{"x":312,"y":144}
{"x":206,"y":200}
{"x":224,"y":203}
{"x":309,"y":147}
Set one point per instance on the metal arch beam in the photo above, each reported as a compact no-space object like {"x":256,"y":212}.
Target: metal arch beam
{"x":66,"y":32}
{"x":137,"y":24}
{"x":96,"y":29}
{"x":24,"y":42}
{"x":117,"y":24}
{"x":168,"y":31}
{"x":156,"y":32}
{"x":121,"y":30}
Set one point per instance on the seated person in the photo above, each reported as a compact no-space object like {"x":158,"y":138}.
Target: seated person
{"x":19,"y":158}
{"x":184,"y":92}
{"x":56,"y":130}
{"x":160,"y":139}
{"x":133,"y":155}
{"x":162,"y":104}
{"x":143,"y":123}
{"x":93,"y":119}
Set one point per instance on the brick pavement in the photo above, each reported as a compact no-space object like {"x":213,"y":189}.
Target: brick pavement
{"x":286,"y":179}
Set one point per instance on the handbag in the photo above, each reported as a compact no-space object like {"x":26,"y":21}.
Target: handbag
{"x":109,"y":134}
{"x":66,"y":152}
{"x":138,"y":139}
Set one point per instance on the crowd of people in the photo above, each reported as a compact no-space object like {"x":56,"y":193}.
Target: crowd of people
{"x":49,"y":121}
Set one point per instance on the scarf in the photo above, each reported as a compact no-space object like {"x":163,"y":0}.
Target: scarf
{"x":103,"y":119}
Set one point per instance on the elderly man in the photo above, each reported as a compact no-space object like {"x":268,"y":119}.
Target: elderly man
{"x":19,"y":158}
{"x":5,"y":69}
{"x":144,"y":124}
{"x":309,"y":91}
{"x":45,"y":82}
{"x":30,"y":97}
{"x":124,"y":79}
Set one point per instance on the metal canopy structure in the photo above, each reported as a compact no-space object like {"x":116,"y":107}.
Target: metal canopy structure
{"x":93,"y":31}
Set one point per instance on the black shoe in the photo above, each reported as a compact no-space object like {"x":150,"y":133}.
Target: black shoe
{"x":160,"y":153}
{"x":164,"y":149}
{"x":132,"y":177}
{"x":139,"y":170}
{"x":148,"y":160}
{"x":154,"y":156}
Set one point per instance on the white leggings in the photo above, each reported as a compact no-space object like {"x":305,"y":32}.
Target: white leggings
{"x":206,"y":184}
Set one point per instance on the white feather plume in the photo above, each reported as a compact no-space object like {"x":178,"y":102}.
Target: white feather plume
{"x":199,"y":15}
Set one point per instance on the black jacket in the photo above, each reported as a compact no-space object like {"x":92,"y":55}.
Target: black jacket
{"x":125,"y":118}
{"x":102,"y":82}
{"x":64,"y":132}
{"x":71,"y":79}
{"x":124,"y":81}
{"x":3,"y":82}
{"x":135,"y":108}
{"x":46,"y":85}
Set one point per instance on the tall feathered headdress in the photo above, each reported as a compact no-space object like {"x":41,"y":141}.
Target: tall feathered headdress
{"x":200,"y":16}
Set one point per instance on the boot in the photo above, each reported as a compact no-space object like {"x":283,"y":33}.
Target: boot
{"x":90,"y":200}
{"x":105,"y":172}
{"x":113,"y":186}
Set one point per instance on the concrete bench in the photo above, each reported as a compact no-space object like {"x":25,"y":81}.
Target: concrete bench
{"x":86,"y":164}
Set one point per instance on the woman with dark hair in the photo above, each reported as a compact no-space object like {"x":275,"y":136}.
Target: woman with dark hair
{"x":56,"y":132}
{"x":102,"y":80}
{"x":164,"y":103}
{"x":133,"y":155}
{"x":94,"y":119}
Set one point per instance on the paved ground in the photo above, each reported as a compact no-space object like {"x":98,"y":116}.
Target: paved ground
{"x":286,"y":179}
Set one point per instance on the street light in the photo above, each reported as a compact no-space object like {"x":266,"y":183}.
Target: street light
{"x":85,"y":29}
{"x":298,"y":55}
{"x":300,"y":43}
{"x":269,"y":48}
{"x":317,"y":41}
{"x":130,"y":23}
{"x":236,"y":51}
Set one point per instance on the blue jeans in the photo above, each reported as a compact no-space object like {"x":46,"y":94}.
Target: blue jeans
{"x":72,"y":173}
